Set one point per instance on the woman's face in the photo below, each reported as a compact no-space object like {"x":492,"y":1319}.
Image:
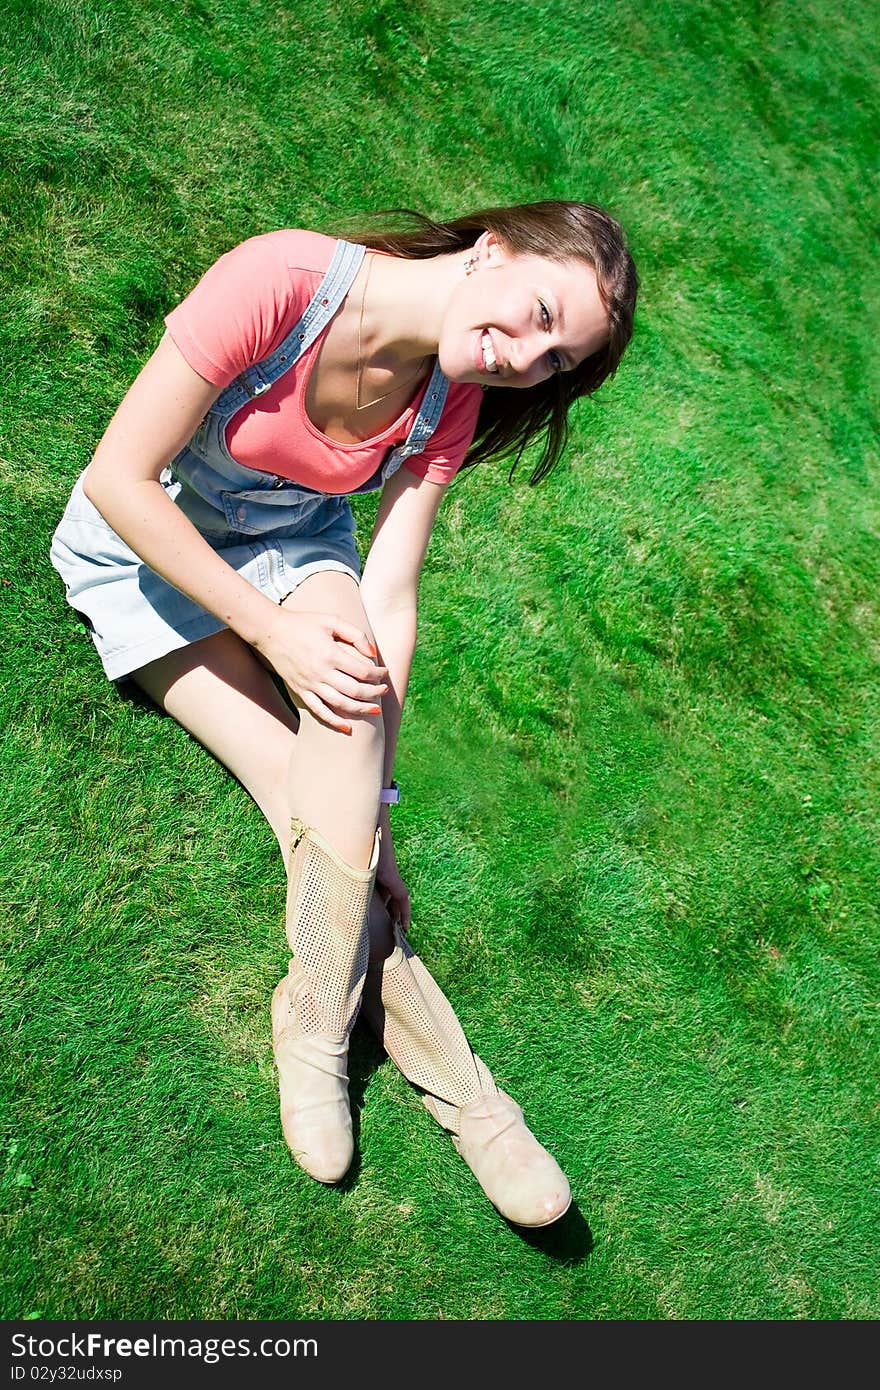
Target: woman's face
{"x":517,"y":320}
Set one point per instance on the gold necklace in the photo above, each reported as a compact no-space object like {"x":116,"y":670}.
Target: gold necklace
{"x":360,"y":370}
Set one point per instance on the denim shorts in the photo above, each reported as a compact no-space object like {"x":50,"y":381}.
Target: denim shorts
{"x":274,"y":533}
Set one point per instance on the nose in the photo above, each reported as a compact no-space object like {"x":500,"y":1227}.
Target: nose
{"x":525,"y":353}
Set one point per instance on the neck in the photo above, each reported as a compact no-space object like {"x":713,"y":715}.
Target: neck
{"x":404,"y":306}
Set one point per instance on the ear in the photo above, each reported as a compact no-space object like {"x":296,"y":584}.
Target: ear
{"x":488,"y":249}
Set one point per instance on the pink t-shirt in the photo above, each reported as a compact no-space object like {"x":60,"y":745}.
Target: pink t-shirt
{"x":240,"y":311}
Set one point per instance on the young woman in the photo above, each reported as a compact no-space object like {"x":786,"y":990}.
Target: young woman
{"x":209,"y":545}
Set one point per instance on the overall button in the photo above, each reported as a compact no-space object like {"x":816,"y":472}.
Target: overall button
{"x":279,"y":482}
{"x":241,"y":513}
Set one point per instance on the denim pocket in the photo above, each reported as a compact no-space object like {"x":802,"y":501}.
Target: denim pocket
{"x":253,"y":513}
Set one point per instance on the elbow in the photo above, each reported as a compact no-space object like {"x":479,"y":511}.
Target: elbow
{"x":102,"y":487}
{"x":100,"y":493}
{"x":91,"y":486}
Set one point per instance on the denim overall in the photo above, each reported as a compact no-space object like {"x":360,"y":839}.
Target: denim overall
{"x":272,"y":531}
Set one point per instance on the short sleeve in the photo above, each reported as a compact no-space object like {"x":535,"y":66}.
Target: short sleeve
{"x":447,"y":447}
{"x":241,"y":308}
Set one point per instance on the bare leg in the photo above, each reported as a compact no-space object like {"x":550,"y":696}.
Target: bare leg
{"x":224,"y":697}
{"x":335,"y":778}
{"x":222,"y":694}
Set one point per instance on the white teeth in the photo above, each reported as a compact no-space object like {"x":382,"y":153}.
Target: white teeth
{"x":489,"y":354}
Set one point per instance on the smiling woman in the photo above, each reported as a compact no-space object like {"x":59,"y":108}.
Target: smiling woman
{"x":210,"y":544}
{"x":563,"y":270}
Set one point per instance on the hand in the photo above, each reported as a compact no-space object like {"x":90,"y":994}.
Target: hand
{"x":389,"y":885}
{"x":330,"y":665}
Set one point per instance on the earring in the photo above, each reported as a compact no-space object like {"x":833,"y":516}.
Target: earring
{"x":470,"y":265}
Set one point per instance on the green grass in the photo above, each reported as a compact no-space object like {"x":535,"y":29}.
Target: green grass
{"x":639,"y":753}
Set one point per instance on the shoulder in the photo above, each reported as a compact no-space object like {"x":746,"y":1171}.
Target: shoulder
{"x":290,"y":248}
{"x":464,"y":398}
{"x":446,"y":449}
{"x":248,"y":300}
{"x":460,"y":411}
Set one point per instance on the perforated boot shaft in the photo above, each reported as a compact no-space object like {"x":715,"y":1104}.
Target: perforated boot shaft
{"x":418,"y":1027}
{"x":327,"y":902}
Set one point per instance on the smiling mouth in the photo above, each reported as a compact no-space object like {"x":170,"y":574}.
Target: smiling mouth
{"x":489,"y":360}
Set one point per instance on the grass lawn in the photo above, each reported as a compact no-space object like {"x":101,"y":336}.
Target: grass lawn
{"x":639,"y":754}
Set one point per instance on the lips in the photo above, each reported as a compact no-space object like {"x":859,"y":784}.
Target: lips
{"x":479,"y":360}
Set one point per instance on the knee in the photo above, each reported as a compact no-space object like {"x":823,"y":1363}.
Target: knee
{"x":365,"y":742}
{"x":367,"y":738}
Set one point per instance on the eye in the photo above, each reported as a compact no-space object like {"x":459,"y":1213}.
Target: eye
{"x":553,"y":358}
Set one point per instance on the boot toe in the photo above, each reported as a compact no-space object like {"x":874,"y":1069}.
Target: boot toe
{"x":531,"y":1194}
{"x":521,"y":1179}
{"x":325,"y":1155}
{"x":540,"y":1199}
{"x":313,"y":1086}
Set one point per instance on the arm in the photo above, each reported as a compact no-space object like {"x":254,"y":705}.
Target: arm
{"x":156,"y":418}
{"x":390,"y":583}
{"x":159,"y":413}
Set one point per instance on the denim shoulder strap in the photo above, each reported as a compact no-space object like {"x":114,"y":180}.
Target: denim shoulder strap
{"x":256,"y":379}
{"x":426,"y":421}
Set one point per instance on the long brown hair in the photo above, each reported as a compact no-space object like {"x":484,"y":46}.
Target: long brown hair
{"x":561,"y":231}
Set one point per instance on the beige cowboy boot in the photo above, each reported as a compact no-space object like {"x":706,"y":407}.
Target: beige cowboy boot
{"x":314,"y":1007}
{"x":418,"y":1028}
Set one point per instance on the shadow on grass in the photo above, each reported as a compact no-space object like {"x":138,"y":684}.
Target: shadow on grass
{"x":365,"y":1056}
{"x":568,"y":1241}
